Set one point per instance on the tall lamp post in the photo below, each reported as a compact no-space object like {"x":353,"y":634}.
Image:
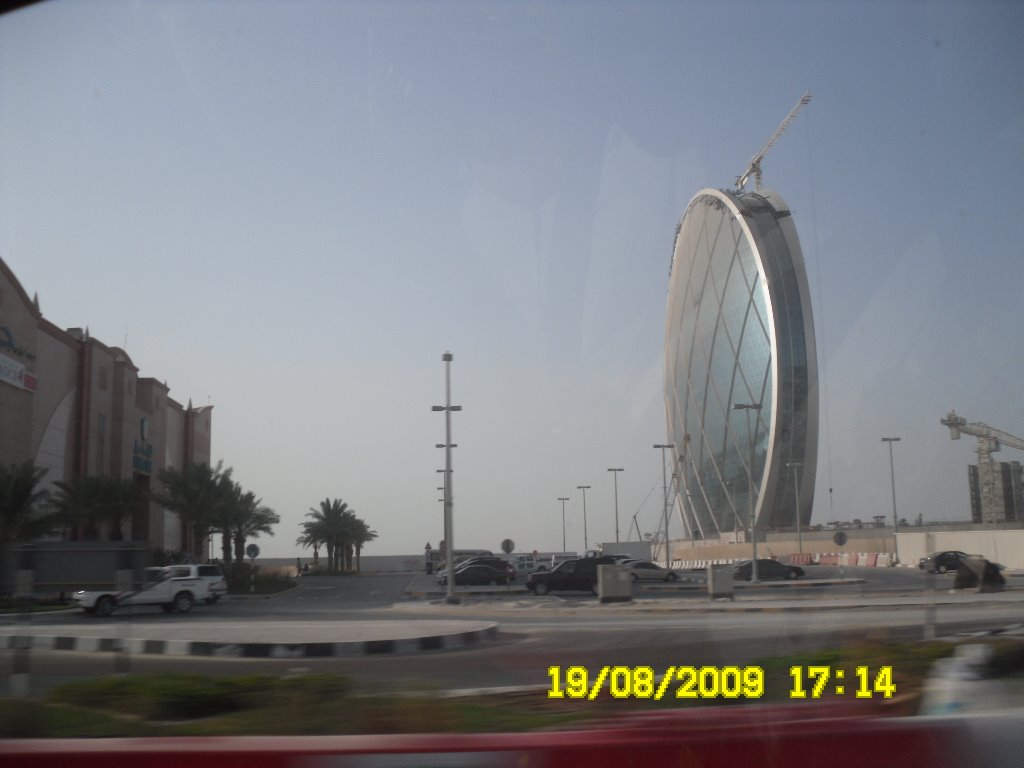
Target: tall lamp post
{"x":563,"y":499}
{"x":748,"y":407}
{"x":796,"y":487}
{"x":586,"y":543}
{"x":664,"y":488}
{"x":449,"y":495}
{"x":892,"y":477}
{"x":615,"y":474}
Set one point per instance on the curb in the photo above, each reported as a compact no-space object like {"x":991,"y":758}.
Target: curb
{"x":657,"y":587}
{"x":454,"y":641}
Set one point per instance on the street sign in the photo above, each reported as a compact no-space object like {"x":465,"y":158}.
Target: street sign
{"x":839,"y":538}
{"x":252,"y":551}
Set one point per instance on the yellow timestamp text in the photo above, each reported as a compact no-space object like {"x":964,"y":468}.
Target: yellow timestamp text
{"x":680,"y":682}
{"x":689,"y":682}
{"x":817,"y":681}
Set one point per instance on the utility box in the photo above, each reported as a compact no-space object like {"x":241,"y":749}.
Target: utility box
{"x":614,"y":584}
{"x":720,"y":582}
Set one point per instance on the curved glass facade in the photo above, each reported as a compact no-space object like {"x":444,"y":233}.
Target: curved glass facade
{"x":740,"y":368}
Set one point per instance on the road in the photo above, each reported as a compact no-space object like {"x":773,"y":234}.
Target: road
{"x":673,"y":628}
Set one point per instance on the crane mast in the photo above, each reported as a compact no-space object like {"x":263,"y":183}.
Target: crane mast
{"x":754,"y":166}
{"x":990,"y":440}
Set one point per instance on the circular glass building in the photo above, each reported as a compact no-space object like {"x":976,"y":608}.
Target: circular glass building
{"x":740,"y":368}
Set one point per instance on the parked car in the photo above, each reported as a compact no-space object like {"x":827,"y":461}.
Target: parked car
{"x":173,"y":588}
{"x":527,"y":564}
{"x":766,"y":569}
{"x":645,"y":570}
{"x":940,"y":562}
{"x":571,"y":574}
{"x":476,"y":573}
{"x":494,"y":562}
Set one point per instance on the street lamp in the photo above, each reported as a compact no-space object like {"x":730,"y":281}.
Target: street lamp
{"x":586,"y":544}
{"x":892,"y":476}
{"x":449,"y":495}
{"x":615,"y":474}
{"x":563,"y":499}
{"x":748,"y":407}
{"x":664,"y":508}
{"x":796,"y":487}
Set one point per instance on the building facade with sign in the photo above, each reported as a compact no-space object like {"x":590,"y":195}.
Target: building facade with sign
{"x":741,"y":393}
{"x":77,"y":407}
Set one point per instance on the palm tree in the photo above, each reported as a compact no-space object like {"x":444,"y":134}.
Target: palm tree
{"x":328,"y":525}
{"x":227,"y":514}
{"x":122,"y":497}
{"x":77,"y":503}
{"x":197,"y":493}
{"x":363,"y":535}
{"x":310,"y":539}
{"x":21,"y":505}
{"x":251,"y":520}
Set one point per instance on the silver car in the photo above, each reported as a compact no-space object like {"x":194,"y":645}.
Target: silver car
{"x":645,"y":570}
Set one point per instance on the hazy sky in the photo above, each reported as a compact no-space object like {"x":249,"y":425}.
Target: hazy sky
{"x":291,"y":210}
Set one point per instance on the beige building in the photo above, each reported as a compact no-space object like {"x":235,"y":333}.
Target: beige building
{"x":78,"y":407}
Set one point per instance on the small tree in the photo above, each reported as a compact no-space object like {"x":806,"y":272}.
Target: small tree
{"x":86,"y":504}
{"x":22,"y":514}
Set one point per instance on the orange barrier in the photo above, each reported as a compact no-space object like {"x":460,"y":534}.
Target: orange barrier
{"x":761,"y":736}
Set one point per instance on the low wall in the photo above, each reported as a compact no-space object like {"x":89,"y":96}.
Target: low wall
{"x":999,"y":546}
{"x":49,"y":567}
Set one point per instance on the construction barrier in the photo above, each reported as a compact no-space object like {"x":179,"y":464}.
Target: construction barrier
{"x":759,"y":736}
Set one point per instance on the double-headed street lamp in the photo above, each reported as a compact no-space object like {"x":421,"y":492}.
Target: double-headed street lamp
{"x":615,"y":474}
{"x":563,"y":499}
{"x":586,"y":543}
{"x":664,"y":508}
{"x":449,"y":495}
{"x":748,"y":407}
{"x":892,"y":476}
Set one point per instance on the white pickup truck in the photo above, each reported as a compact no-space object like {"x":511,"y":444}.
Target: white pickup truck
{"x":173,"y":588}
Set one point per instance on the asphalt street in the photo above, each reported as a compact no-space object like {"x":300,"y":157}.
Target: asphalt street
{"x":661,"y":627}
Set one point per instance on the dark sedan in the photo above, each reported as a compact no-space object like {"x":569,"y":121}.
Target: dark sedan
{"x":766,"y":569}
{"x":940,"y":562}
{"x":475,"y":574}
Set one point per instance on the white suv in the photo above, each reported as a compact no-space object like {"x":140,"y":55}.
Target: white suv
{"x":173,"y":588}
{"x":212,"y":575}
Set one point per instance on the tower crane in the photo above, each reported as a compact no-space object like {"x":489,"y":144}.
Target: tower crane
{"x":990,"y":440}
{"x":754,"y":166}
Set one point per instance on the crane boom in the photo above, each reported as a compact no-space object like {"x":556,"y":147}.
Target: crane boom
{"x":995,"y":437}
{"x":754,"y":166}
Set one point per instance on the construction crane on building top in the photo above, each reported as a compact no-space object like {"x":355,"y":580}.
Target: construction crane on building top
{"x":754,"y":166}
{"x":990,"y":440}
